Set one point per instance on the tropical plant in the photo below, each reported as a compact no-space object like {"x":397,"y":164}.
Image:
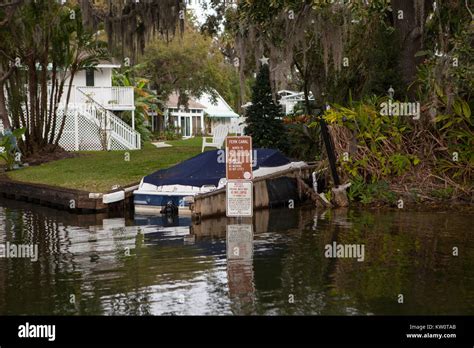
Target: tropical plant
{"x":146,"y":100}
{"x":9,"y":146}
{"x":50,"y":47}
{"x":304,"y":141}
{"x":371,"y":145}
{"x":367,"y":193}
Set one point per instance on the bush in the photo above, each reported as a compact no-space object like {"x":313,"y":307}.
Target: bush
{"x":9,"y":144}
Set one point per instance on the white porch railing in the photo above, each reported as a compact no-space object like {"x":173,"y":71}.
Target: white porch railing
{"x":111,"y":98}
{"x":97,"y":121}
{"x":112,"y":126}
{"x":108,"y":97}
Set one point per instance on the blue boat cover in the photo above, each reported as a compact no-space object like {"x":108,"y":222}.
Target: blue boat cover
{"x":204,"y":169}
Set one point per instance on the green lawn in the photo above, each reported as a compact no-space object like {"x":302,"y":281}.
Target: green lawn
{"x":99,"y":171}
{"x":193,"y":142}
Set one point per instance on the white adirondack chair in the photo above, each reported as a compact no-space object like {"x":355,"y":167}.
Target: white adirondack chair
{"x":218,"y":136}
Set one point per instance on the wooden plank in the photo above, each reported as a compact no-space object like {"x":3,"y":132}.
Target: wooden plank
{"x":213,"y":204}
{"x":66,"y":198}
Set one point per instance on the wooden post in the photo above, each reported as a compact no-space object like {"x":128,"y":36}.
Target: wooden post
{"x":202,"y":123}
{"x":329,"y":151}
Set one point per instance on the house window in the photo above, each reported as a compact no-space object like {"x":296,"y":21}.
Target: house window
{"x":90,"y":77}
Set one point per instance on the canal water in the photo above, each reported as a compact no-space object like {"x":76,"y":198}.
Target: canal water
{"x":413,"y":262}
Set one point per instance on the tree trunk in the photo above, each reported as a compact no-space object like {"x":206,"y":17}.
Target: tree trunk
{"x":3,"y":100}
{"x":3,"y":109}
{"x":408,"y":22}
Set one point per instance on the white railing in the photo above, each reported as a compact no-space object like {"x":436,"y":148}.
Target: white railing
{"x":108,"y":97}
{"x":112,"y":126}
{"x":112,"y":98}
{"x":107,"y":122}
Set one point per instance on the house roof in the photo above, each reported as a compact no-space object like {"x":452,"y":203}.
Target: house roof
{"x":285,"y":92}
{"x":109,"y":65}
{"x":296,"y":96}
{"x":217,"y":108}
{"x":112,"y":63}
{"x":102,"y":63}
{"x":173,"y":101}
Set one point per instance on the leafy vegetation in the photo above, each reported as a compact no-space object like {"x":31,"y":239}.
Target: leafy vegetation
{"x":303,"y":133}
{"x":9,"y":147}
{"x":368,"y":193}
{"x":43,"y":47}
{"x":381,"y":142}
{"x":191,"y":64}
{"x":349,"y":56}
{"x":146,"y":101}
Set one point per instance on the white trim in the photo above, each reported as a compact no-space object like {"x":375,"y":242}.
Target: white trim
{"x":112,"y":66}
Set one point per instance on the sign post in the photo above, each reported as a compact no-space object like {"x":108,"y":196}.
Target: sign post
{"x":239,"y":194}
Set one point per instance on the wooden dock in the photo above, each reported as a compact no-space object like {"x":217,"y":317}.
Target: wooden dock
{"x":213,"y":204}
{"x":76,"y":201}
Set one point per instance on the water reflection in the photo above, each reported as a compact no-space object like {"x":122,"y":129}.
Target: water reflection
{"x":98,"y":264}
{"x":240,"y":276}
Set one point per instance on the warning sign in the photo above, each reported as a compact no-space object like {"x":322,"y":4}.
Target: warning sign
{"x":239,"y":158}
{"x":239,"y":198}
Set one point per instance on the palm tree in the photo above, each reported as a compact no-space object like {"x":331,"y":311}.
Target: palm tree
{"x":146,"y":101}
{"x":50,"y":46}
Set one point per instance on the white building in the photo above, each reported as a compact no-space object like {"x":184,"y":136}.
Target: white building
{"x":190,"y":120}
{"x":200,"y":117}
{"x":289,"y":99}
{"x":217,"y":112}
{"x":92,"y":121}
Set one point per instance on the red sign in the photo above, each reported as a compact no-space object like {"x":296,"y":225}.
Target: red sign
{"x":238,"y":158}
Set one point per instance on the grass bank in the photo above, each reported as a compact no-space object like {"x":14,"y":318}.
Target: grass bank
{"x":100,"y":171}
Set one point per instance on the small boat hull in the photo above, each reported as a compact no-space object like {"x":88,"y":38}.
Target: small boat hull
{"x":154,"y":202}
{"x":156,"y":209}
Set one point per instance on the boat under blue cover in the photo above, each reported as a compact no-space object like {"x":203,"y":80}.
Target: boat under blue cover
{"x":205,"y":169}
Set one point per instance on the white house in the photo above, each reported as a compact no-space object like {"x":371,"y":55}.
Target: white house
{"x":289,"y":99}
{"x":95,"y":106}
{"x":190,"y":120}
{"x":201,"y":115}
{"x":217,"y":112}
{"x":92,"y":120}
